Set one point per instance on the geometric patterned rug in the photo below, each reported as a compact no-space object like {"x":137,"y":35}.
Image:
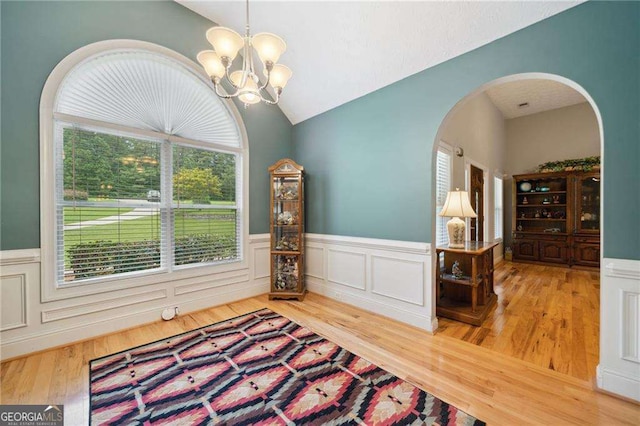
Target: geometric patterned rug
{"x":260,"y":368}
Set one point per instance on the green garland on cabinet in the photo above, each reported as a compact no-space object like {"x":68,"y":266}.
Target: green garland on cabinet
{"x":584,"y":164}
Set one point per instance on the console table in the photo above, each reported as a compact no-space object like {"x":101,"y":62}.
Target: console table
{"x":468,"y":298}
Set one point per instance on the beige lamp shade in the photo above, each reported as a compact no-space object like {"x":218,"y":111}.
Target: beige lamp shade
{"x":457,"y":205}
{"x":280,"y":75}
{"x":269,"y":47}
{"x":249,"y":93}
{"x":225,"y":41}
{"x":211,"y":63}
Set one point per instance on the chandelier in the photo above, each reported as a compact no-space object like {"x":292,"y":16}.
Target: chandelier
{"x":245,"y":82}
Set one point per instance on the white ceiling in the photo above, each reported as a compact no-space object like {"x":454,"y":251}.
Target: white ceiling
{"x":541,"y":95}
{"x":340,"y":50}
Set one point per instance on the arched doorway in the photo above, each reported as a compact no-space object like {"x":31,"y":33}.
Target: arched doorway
{"x":524,"y":344}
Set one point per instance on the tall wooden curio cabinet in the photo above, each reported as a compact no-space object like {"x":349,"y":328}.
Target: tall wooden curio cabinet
{"x":287,"y":230}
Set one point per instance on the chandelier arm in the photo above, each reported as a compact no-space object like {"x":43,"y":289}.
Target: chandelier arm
{"x":264,"y":86}
{"x":267,"y":101}
{"x":222,"y":95}
{"x":228,"y":79}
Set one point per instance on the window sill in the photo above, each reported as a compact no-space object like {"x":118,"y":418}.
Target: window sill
{"x":115,"y":284}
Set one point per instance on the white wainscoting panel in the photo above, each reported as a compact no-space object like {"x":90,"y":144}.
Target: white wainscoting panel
{"x":31,"y":324}
{"x":619,"y":368}
{"x":392,"y":278}
{"x":14,"y":281}
{"x":631,"y":326}
{"x":347,"y":268}
{"x":314,"y":262}
{"x":260,"y":261}
{"x":401,"y":279}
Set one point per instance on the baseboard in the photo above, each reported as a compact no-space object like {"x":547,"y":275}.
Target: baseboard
{"x":618,"y":383}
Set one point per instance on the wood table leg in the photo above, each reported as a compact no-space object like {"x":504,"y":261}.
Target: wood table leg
{"x":474,"y":283}
{"x":437,"y":276}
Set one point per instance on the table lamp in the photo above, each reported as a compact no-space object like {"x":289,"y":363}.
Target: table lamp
{"x":456,"y":206}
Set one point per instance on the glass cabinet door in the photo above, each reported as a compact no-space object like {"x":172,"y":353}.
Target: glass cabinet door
{"x":588,"y":204}
{"x":286,"y":214}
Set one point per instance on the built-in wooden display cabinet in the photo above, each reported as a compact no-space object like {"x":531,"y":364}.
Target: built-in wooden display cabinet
{"x":287,"y":230}
{"x":556,"y":218}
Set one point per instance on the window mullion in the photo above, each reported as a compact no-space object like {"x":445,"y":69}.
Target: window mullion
{"x":167,"y":238}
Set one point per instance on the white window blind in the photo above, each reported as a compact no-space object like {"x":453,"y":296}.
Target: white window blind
{"x":205,"y":214}
{"x":498,"y":208}
{"x":443,"y":185}
{"x":128,"y":203}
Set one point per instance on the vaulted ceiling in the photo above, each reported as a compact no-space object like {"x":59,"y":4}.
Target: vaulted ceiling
{"x":340,"y":50}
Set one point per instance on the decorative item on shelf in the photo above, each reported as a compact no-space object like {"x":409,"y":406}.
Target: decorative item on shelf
{"x":286,"y":218}
{"x":537,"y":188}
{"x":457,"y":205}
{"x":525,"y":201}
{"x":556,"y":199}
{"x":544,"y":213}
{"x":558,"y":214}
{"x":545,"y":189}
{"x":287,"y":243}
{"x":537,"y":215}
{"x":245,"y":82}
{"x":525,"y":186}
{"x":584,"y":164}
{"x":519,"y":228}
{"x":552,"y":230}
{"x":523,"y":215}
{"x":456,"y":271}
{"x":546,"y":201}
{"x":287,"y":191}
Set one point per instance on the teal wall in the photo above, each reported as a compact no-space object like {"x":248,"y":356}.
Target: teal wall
{"x":369,"y":162}
{"x":38,"y":35}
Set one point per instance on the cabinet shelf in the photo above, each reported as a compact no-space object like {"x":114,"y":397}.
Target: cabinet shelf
{"x":541,"y":205}
{"x":465,"y":280}
{"x":541,"y":192}
{"x":542,"y":218}
{"x":286,"y":252}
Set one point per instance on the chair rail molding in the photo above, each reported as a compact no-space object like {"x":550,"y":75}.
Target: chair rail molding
{"x":392,"y":278}
{"x":619,"y":368}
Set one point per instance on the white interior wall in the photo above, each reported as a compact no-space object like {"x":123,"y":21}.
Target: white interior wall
{"x":478,"y":127}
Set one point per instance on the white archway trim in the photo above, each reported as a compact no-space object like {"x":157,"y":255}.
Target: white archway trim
{"x":48,"y":115}
{"x":608,"y":377}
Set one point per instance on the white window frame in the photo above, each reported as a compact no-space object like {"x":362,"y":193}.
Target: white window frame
{"x":50,"y":291}
{"x":498,"y":208}
{"x":446,"y":149}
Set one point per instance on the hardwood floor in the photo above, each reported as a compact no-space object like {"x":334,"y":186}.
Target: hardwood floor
{"x":546,"y":315}
{"x":493,"y":387}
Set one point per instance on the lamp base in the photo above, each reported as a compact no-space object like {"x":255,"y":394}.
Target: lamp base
{"x":455,"y":229}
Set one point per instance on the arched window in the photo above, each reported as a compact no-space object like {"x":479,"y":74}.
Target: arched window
{"x":143,"y":172}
